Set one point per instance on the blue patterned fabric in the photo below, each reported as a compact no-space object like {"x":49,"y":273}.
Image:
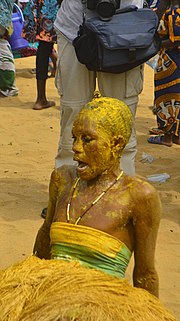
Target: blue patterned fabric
{"x":6,"y":8}
{"x":167,"y":75}
{"x":39,"y":19}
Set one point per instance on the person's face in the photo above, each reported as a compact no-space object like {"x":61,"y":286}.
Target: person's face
{"x":92,"y":147}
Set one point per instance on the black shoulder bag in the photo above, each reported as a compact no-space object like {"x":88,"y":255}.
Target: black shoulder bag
{"x":127,"y":40}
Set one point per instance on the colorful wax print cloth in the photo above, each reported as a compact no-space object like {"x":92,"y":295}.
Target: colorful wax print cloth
{"x":7,"y":70}
{"x":92,"y":248}
{"x":39,"y":16}
{"x":6,"y":8}
{"x":28,"y":51}
{"x":167,"y":75}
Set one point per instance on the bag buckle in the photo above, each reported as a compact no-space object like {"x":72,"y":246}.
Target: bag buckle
{"x":132,"y":54}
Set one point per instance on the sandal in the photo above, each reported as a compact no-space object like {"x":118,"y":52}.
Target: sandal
{"x":156,"y":131}
{"x":159,"y":141}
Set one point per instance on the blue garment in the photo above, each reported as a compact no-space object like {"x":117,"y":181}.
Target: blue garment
{"x":39,"y":19}
{"x":153,"y":3}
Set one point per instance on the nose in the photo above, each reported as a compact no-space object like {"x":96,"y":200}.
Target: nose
{"x":77,"y":146}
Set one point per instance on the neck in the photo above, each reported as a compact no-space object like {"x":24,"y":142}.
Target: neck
{"x":106,"y":178}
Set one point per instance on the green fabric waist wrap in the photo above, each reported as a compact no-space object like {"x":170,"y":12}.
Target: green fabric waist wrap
{"x":90,"y":247}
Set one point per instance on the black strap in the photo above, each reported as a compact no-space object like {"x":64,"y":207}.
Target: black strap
{"x":84,"y":2}
{"x":132,"y":55}
{"x":127,"y":9}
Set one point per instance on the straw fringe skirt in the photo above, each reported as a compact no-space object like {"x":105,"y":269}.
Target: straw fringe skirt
{"x":49,"y":290}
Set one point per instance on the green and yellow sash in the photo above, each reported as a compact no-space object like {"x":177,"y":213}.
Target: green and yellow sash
{"x":92,"y":248}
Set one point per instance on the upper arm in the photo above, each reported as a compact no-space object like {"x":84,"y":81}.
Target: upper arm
{"x":146,"y":224}
{"x":42,"y":242}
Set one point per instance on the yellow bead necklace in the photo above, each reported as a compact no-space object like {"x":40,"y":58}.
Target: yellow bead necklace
{"x":92,"y":204}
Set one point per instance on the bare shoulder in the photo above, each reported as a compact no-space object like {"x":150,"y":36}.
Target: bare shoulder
{"x":138,"y":187}
{"x":144,"y":198}
{"x":63,"y":174}
{"x":63,"y":171}
{"x":142,"y":188}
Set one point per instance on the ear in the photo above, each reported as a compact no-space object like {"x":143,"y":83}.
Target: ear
{"x":117,"y":144}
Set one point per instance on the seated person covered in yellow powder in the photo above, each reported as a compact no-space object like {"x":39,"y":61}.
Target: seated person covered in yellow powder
{"x":97,"y":215}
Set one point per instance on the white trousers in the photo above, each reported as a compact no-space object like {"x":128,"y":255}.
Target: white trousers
{"x":76,"y":85}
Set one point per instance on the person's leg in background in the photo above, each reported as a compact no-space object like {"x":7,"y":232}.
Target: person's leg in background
{"x":76,"y":87}
{"x":127,"y":161}
{"x":44,"y":51}
{"x":126,"y":87}
{"x":7,"y":70}
{"x":53,"y":63}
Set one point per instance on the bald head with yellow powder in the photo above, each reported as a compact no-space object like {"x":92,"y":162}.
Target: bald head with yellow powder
{"x":112,"y":114}
{"x":100,"y":132}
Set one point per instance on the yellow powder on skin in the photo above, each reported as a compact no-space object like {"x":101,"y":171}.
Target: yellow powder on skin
{"x":112,"y":214}
{"x":114,"y":115}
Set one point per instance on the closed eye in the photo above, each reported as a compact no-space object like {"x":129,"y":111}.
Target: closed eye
{"x":87,"y":139}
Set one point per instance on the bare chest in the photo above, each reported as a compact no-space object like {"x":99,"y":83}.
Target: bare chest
{"x":110,"y":213}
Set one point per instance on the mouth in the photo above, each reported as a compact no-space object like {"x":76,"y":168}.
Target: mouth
{"x":82,"y":166}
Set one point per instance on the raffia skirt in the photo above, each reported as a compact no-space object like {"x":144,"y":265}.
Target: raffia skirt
{"x":50,"y":290}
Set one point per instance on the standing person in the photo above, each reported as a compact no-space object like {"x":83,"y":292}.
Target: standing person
{"x":167,"y":84}
{"x":39,"y":17}
{"x":76,"y":84}
{"x":7,"y":67}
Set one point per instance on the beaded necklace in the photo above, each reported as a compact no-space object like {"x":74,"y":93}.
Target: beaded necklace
{"x":92,"y":204}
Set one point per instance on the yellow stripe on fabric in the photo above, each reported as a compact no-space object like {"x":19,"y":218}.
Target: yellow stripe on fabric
{"x":171,"y":30}
{"x":166,"y":98}
{"x":165,"y":73}
{"x":85,"y":236}
{"x":167,"y":85}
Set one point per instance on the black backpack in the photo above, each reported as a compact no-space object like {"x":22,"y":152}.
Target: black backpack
{"x":127,"y":40}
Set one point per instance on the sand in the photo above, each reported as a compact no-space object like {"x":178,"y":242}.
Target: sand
{"x":28,"y":145}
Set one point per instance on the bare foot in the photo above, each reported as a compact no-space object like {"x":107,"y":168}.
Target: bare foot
{"x":43,"y":105}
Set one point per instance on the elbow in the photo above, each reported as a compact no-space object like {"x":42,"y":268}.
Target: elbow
{"x":148,"y":281}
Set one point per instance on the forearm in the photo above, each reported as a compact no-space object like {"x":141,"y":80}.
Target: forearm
{"x":149,"y":282}
{"x":42,"y":243}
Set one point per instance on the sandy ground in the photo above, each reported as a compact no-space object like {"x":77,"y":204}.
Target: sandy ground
{"x":28,"y":145}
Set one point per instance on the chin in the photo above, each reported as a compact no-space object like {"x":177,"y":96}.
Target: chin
{"x":86,"y":175}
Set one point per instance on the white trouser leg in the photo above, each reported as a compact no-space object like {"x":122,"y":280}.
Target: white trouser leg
{"x":126,"y":87}
{"x":75,"y":84}
{"x":127,"y":162}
